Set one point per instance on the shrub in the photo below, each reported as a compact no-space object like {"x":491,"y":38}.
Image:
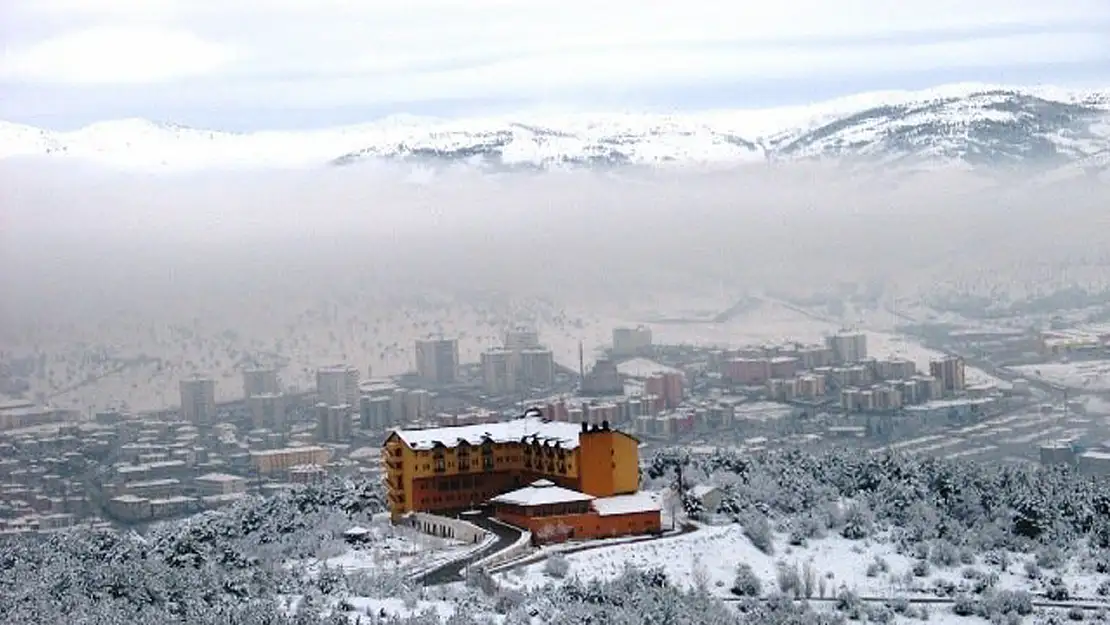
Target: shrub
{"x":809,"y":580}
{"x":758,"y":530}
{"x":879,"y":614}
{"x":858,"y":522}
{"x":1010,"y":601}
{"x":747,"y":583}
{"x":921,"y":568}
{"x":900,"y":605}
{"x":1075,"y":613}
{"x":1032,"y":570}
{"x":1056,"y":590}
{"x":1049,"y":558}
{"x":998,"y":558}
{"x":789,"y":580}
{"x":944,"y":554}
{"x":846,"y":600}
{"x":877,"y":566}
{"x":964,"y":606}
{"x":556,"y":566}
{"x":1103,"y":589}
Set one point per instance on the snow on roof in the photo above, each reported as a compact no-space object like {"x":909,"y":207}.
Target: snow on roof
{"x":541,"y":493}
{"x":219,"y":477}
{"x":627,"y":504}
{"x":701,"y":490}
{"x":643,"y":368}
{"x":566,"y":434}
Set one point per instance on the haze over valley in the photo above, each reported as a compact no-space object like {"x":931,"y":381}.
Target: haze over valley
{"x":554,"y":313}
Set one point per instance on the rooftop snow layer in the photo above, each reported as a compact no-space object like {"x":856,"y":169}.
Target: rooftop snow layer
{"x":627,"y":504}
{"x":565,"y":434}
{"x":541,"y":493}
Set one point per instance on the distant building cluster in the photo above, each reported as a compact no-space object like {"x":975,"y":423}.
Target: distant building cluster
{"x":521,"y":363}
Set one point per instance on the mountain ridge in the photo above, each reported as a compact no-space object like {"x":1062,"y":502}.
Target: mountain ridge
{"x":966,"y":125}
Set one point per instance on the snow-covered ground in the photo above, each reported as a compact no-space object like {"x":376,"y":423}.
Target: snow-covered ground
{"x":1091,"y":375}
{"x":397,"y":549}
{"x":883,"y":345}
{"x":871,"y":568}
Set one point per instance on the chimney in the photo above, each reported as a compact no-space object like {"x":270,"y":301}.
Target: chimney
{"x":585,"y":427}
{"x":604,"y":426}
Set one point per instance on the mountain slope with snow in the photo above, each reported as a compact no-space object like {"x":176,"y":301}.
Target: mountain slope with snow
{"x":977,"y":127}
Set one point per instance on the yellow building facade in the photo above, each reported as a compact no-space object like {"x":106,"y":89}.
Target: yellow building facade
{"x":454,"y":468}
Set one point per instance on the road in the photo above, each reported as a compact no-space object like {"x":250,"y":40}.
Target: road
{"x":453,"y":571}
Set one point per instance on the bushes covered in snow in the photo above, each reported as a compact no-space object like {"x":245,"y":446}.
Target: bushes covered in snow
{"x":962,"y":506}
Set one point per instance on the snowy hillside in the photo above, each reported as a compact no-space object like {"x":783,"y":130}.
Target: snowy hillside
{"x":967,"y":125}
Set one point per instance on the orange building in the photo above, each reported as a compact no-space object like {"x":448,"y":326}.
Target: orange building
{"x":454,"y":468}
{"x":555,"y":514}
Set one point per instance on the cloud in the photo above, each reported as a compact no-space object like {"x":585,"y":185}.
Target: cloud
{"x":116,"y":55}
{"x":328,"y":53}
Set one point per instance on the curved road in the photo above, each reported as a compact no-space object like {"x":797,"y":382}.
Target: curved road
{"x":453,"y":571}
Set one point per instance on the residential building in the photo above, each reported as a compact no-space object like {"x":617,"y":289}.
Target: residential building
{"x":497,"y":371}
{"x":847,"y":347}
{"x":211,"y":484}
{"x":337,"y":384}
{"x":334,"y":423}
{"x":437,"y":360}
{"x":521,"y":338}
{"x":631,"y":341}
{"x":267,"y":410}
{"x":536,"y":368}
{"x":272,"y":461}
{"x":198,"y":400}
{"x":950,"y":370}
{"x":260,"y":381}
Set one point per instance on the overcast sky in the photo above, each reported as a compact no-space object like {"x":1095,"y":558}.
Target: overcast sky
{"x":244,"y":64}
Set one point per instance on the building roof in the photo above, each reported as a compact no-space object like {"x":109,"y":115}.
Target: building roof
{"x":541,"y":493}
{"x":627,"y":504}
{"x":563,"y":433}
{"x":219,"y":477}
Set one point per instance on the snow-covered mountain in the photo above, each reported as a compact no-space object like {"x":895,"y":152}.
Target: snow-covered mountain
{"x":969,"y":126}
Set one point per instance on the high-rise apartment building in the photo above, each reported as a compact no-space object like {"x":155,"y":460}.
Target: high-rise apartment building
{"x":337,"y":384}
{"x":260,"y":381}
{"x":951,"y":371}
{"x":536,"y":368}
{"x":198,"y":400}
{"x":521,"y":338}
{"x":631,"y":341}
{"x":847,"y":347}
{"x":267,"y":410}
{"x":497,"y":371}
{"x":333,"y":423}
{"x":437,"y":360}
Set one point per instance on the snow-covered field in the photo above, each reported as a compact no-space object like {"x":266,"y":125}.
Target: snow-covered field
{"x":1091,"y":375}
{"x":871,"y":568}
{"x":399,"y":549}
{"x":882,"y":345}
